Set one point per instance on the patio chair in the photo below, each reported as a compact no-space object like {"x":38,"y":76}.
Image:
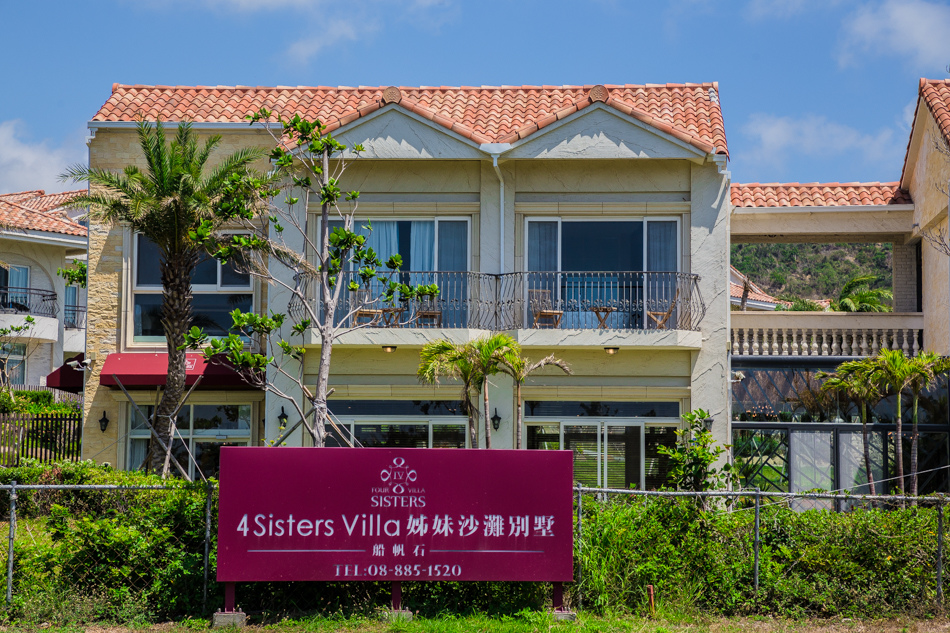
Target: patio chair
{"x":429,"y":312}
{"x":660,"y":318}
{"x":366,"y":309}
{"x":542,"y":309}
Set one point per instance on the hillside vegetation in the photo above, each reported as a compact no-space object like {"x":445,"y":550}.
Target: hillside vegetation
{"x":811,"y":271}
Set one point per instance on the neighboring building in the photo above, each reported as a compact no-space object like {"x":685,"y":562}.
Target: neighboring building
{"x":593,"y":222}
{"x":37,"y":237}
{"x":756,"y":299}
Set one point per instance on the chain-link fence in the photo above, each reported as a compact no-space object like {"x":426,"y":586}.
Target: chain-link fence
{"x":109,"y":549}
{"x":755,"y":552}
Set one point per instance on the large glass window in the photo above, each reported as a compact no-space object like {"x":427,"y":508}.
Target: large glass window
{"x":13,"y":362}
{"x":610,"y":449}
{"x":619,"y":271}
{"x":398,"y":424}
{"x":217,"y":290}
{"x":202,"y":428}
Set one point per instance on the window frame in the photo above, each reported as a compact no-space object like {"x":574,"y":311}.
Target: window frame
{"x":644,"y":219}
{"x":421,"y":218}
{"x":603,"y":424}
{"x":142,"y":341}
{"x":219,"y":437}
{"x":351,"y":421}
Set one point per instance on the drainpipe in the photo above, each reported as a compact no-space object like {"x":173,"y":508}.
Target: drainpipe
{"x":501,"y":214}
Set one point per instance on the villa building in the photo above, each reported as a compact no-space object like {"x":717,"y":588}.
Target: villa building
{"x":593,"y":222}
{"x":38,"y":236}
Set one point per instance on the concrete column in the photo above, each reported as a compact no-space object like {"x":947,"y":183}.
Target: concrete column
{"x":501,"y":397}
{"x":709,"y":257}
{"x":904,"y":266}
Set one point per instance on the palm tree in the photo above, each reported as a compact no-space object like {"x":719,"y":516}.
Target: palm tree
{"x":519,"y":368}
{"x":893,"y":371}
{"x":853,"y":378}
{"x":488,"y":357}
{"x":444,"y":358}
{"x":927,"y":366}
{"x":858,"y":296}
{"x":166,"y":202}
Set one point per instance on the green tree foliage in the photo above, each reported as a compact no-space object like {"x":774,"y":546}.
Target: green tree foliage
{"x":175,"y":195}
{"x":857,"y":295}
{"x":74,"y":274}
{"x":519,"y":368}
{"x":811,"y":271}
{"x":277,"y":245}
{"x":799,"y":305}
{"x":693,"y":456}
{"x":472,"y":363}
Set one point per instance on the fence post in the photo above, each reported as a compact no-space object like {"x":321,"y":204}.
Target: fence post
{"x":940,"y":552}
{"x":755,"y":541}
{"x":10,"y":541}
{"x":580,"y":543}
{"x":209,"y":487}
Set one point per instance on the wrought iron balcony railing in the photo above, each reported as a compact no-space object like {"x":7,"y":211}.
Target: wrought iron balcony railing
{"x":32,"y":301}
{"x":74,"y":317}
{"x":555,"y":300}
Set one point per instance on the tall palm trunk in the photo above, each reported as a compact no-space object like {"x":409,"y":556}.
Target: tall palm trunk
{"x":176,"y":319}
{"x":899,"y":447}
{"x":867,"y":450}
{"x":485,"y":412}
{"x":520,"y":415}
{"x":472,"y":421}
{"x":913,"y":452}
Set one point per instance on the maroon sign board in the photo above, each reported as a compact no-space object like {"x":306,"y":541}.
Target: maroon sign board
{"x":394,"y":514}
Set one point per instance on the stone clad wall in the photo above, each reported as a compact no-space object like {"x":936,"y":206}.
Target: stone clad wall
{"x":109,"y":284}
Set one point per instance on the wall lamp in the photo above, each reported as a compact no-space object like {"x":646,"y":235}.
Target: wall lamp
{"x":496,"y":420}
{"x":282,"y":418}
{"x":708,"y":422}
{"x":611,"y":350}
{"x":103,"y":422}
{"x":389,"y":349}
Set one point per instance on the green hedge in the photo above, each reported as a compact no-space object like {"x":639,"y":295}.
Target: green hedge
{"x":859,"y":563}
{"x":84,"y":556}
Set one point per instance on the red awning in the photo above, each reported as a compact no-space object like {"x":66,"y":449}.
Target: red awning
{"x":149,"y":370}
{"x":66,"y":378}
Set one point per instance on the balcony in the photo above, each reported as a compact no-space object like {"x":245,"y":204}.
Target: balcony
{"x":74,"y":317}
{"x":604,"y":302}
{"x":16,"y":303}
{"x":825,"y":333}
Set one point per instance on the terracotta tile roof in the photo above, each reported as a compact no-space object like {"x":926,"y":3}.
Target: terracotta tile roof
{"x":735,"y":291}
{"x":935,"y":93}
{"x":37,"y":211}
{"x":828,"y":194}
{"x":487,"y":114}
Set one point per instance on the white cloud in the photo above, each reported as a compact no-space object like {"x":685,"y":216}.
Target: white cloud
{"x":335,"y":32}
{"x":28,"y":165}
{"x":778,"y":139}
{"x":914,"y":29}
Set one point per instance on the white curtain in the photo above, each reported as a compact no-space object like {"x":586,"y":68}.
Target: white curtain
{"x":542,"y":246}
{"x":661,"y":246}
{"x":384,"y":240}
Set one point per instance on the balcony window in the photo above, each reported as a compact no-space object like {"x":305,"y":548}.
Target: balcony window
{"x":623,"y":272}
{"x":13,"y":363}
{"x":217,"y":290}
{"x":203,"y":429}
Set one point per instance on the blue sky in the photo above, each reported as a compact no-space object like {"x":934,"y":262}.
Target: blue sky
{"x":811,"y":90}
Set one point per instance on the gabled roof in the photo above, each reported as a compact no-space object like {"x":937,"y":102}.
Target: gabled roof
{"x":935,"y":94}
{"x":755,"y":292}
{"x":38,"y":211}
{"x":486,"y":114}
{"x":829,"y":194}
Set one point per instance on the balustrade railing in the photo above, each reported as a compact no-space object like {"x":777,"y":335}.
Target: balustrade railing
{"x":30,"y":301}
{"x":824,"y":333}
{"x":74,"y":317}
{"x":558,"y":300}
